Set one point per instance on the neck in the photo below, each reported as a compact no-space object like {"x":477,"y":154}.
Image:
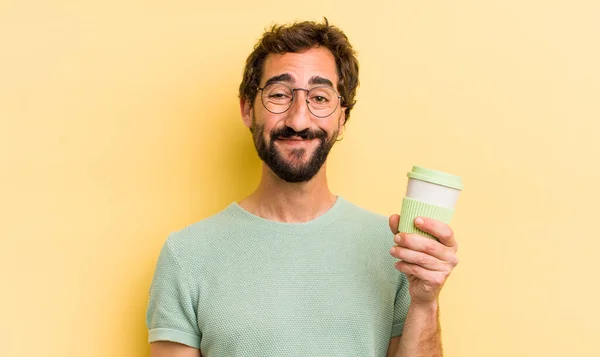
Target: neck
{"x":281,"y":201}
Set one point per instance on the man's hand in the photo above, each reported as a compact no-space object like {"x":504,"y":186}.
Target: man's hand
{"x":426,"y":262}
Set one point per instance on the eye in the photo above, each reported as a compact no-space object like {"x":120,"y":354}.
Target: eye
{"x":321,"y":96}
{"x":278,"y":96}
{"x":277,"y":93}
{"x":320,"y":99}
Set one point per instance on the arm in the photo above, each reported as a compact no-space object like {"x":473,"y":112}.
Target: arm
{"x":172,"y":349}
{"x":427,"y":264}
{"x":421,"y":336}
{"x":171,"y":314}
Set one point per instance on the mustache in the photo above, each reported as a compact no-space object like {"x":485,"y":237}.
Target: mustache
{"x":306,"y":134}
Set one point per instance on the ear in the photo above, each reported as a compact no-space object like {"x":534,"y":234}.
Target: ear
{"x":246,"y":111}
{"x":342,"y":120}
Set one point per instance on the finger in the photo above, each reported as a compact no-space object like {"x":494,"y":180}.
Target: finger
{"x":428,"y":246}
{"x":421,"y":259}
{"x":432,"y":278}
{"x":438,"y":229}
{"x":394,"y":221}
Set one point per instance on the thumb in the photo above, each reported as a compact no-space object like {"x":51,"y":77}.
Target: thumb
{"x":394,"y":221}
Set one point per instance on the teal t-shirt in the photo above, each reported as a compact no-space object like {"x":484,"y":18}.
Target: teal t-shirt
{"x":236,"y":284}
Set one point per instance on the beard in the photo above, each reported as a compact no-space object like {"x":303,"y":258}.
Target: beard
{"x":286,"y":170}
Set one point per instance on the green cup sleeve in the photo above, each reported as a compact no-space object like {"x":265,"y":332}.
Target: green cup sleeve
{"x":412,"y":209}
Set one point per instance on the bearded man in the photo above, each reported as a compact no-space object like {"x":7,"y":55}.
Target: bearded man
{"x":293,"y":269}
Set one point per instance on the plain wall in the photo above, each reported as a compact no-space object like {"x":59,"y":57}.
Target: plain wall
{"x":119,"y":123}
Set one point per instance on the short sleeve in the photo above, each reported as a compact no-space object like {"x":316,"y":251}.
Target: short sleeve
{"x":400,"y":305}
{"x":172,"y":307}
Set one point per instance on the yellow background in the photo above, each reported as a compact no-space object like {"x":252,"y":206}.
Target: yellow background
{"x":119,"y":123}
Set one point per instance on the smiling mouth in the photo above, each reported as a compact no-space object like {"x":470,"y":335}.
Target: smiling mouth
{"x":293,"y":139}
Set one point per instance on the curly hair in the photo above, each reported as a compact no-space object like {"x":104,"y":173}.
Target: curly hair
{"x":298,"y":37}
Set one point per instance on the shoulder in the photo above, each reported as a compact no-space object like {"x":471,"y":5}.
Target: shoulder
{"x":196,"y":238}
{"x":358,"y":216}
{"x":362,"y":214}
{"x":370,"y":234}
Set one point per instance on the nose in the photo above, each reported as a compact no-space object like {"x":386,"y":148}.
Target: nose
{"x":298,"y":116}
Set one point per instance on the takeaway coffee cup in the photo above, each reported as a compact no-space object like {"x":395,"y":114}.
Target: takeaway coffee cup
{"x":431,"y":194}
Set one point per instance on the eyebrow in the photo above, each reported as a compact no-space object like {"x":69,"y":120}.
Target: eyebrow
{"x":285,"y":77}
{"x":320,"y":80}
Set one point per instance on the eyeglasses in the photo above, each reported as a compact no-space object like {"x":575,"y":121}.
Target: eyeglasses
{"x":277,"y":98}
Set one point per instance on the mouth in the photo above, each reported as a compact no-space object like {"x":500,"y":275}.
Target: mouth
{"x":294,"y":140}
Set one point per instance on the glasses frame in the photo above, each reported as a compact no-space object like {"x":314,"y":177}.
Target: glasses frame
{"x":293,"y":90}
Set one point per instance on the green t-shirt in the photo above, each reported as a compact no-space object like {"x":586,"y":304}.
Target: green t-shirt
{"x":236,"y":284}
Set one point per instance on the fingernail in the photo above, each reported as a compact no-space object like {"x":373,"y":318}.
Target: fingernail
{"x":419,"y":221}
{"x":392,"y":250}
{"x":397,"y":238}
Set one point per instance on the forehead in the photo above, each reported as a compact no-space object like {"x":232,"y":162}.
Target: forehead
{"x":302,"y":66}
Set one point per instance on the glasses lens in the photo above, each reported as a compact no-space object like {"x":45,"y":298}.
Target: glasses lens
{"x":277,"y":97}
{"x":322,"y":101}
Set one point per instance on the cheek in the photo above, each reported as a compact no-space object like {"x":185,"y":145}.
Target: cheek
{"x":332,"y":128}
{"x":272,"y":125}
{"x":264,"y":119}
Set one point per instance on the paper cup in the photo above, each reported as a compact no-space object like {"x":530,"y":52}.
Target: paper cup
{"x":431,"y":194}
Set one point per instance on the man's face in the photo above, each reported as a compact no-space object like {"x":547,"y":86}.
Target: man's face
{"x":295,"y":144}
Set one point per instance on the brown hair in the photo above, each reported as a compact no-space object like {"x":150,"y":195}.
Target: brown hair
{"x":296,"y":38}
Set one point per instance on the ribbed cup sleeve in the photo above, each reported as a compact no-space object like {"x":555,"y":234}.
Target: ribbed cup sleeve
{"x":412,"y":209}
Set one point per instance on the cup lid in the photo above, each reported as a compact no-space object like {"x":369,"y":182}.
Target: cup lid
{"x":436,"y":177}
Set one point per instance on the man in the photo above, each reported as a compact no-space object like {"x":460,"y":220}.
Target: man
{"x":294,"y":270}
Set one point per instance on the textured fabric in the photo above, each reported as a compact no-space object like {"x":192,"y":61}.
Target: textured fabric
{"x":235,"y":284}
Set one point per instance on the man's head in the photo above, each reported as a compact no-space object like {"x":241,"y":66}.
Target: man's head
{"x":296,"y":94}
{"x":297,"y":38}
